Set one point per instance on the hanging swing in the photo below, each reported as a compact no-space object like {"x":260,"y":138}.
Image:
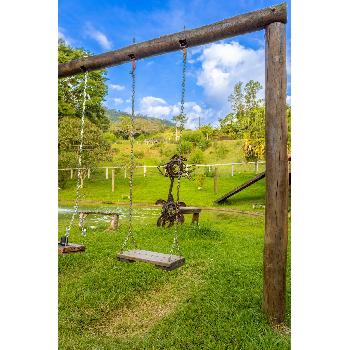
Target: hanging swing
{"x":159,"y":260}
{"x":64,"y":247}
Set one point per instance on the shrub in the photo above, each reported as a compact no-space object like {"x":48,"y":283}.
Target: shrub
{"x":186,"y":147}
{"x":196,"y":156}
{"x":109,"y":137}
{"x":200,"y":180}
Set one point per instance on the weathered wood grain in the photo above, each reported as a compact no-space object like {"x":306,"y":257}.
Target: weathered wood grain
{"x":160,"y":260}
{"x":245,"y":23}
{"x":70,"y":248}
{"x":276,"y":209}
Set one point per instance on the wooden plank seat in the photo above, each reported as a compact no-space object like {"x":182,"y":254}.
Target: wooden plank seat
{"x":70,"y":248}
{"x":114,"y":217}
{"x":159,"y":260}
{"x":192,"y":210}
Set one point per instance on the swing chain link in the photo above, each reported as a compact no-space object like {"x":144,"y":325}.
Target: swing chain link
{"x":130,"y":235}
{"x":176,"y":244}
{"x":80,"y":151}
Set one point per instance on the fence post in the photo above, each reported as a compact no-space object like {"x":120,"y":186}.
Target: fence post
{"x":106,"y":173}
{"x":232,"y":169}
{"x":215,"y":180}
{"x":256,"y":167}
{"x":144,"y":170}
{"x":71,"y":173}
{"x":113,"y":171}
{"x":88,"y":175}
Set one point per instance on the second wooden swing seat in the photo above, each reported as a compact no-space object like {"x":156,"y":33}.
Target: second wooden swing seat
{"x":159,"y":260}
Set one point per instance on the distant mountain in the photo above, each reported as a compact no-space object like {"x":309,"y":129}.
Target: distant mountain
{"x":114,"y":116}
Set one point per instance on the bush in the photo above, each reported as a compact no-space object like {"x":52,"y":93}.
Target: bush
{"x":186,"y":147}
{"x":109,"y":137}
{"x":200,"y":180}
{"x":139,"y":154}
{"x":196,"y":156}
{"x":196,"y":138}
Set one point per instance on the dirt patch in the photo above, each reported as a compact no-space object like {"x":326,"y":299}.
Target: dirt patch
{"x":151,"y":307}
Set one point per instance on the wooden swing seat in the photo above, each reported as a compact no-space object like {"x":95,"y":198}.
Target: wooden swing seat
{"x":159,"y":260}
{"x":70,"y":248}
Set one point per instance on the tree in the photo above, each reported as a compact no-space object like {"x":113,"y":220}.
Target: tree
{"x":70,"y":90}
{"x":247,"y":119}
{"x":95,"y":148}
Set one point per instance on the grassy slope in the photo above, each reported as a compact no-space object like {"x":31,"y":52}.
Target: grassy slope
{"x":213,"y":302}
{"x":231,"y":150}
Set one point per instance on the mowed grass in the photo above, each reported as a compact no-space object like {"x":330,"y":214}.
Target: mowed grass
{"x":154,"y":186}
{"x":212,"y":302}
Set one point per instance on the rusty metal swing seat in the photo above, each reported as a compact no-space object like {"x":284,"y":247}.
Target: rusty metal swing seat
{"x":171,"y":214}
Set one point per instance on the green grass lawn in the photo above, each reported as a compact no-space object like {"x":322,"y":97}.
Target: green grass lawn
{"x":154,"y":186}
{"x":212,"y":302}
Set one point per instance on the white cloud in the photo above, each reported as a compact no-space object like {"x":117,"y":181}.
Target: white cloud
{"x":99,"y":37}
{"x":288,"y":100}
{"x":225,"y":64}
{"x":118,"y":101}
{"x":117,"y":87}
{"x":62,"y":36}
{"x":159,"y":108}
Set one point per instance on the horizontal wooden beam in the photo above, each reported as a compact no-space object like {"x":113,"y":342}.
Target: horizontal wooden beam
{"x":245,"y":23}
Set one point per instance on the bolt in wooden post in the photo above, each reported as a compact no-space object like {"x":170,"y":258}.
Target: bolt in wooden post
{"x":233,"y":169}
{"x":144,"y":170}
{"x":71,"y":173}
{"x":106,"y":173}
{"x":215,"y":180}
{"x":276,"y":210}
{"x":113,"y":171}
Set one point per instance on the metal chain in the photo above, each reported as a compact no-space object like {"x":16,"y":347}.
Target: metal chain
{"x":130,"y":235}
{"x":80,"y":151}
{"x":176,"y":244}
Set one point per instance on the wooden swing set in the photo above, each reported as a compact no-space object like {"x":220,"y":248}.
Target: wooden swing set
{"x":272,"y":20}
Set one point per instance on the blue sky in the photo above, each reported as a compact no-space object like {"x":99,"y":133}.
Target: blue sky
{"x":213,"y":69}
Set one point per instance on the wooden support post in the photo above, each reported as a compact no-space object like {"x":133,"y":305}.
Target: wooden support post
{"x":276,"y":210}
{"x":88,"y":173}
{"x":114,"y":222}
{"x":256,"y":167}
{"x":215,"y":180}
{"x":144,"y":170}
{"x":106,"y":173}
{"x":232,"y":169}
{"x":113,"y":172}
{"x":195,"y":218}
{"x":71,"y":173}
